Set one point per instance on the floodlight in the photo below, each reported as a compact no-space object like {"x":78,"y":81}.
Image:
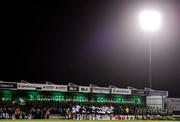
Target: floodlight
{"x":150,"y":20}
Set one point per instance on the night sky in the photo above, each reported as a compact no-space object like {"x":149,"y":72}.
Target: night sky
{"x":90,"y":42}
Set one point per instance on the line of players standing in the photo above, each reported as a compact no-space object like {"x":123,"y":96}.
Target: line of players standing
{"x":118,"y":110}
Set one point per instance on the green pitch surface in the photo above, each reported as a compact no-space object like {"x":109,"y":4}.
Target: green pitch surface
{"x":84,"y":121}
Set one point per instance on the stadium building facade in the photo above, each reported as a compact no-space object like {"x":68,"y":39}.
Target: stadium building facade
{"x":82,"y":94}
{"x":71,"y":94}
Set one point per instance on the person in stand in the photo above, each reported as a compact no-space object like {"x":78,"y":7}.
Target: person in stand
{"x":42,"y":114}
{"x":68,"y":113}
{"x":23,"y":115}
{"x":88,"y":112}
{"x":127,"y":110}
{"x":170,"y":113}
{"x":77,"y":112}
{"x":38,"y":112}
{"x":144,"y":113}
{"x":73,"y":112}
{"x":1,"y":113}
{"x":84,"y":112}
{"x":33,"y":113}
{"x":80,"y":113}
{"x":159,"y":111}
{"x":47,"y":113}
{"x":96,"y":113}
{"x":131,"y":111}
{"x":137,"y":113}
{"x":91,"y":113}
{"x":121,"y":111}
{"x":17,"y":113}
{"x":10,"y":112}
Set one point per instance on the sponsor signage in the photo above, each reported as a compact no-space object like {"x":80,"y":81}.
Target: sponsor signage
{"x":8,"y":85}
{"x":73,"y":88}
{"x":28,"y":86}
{"x":85,"y":89}
{"x":100,"y":90}
{"x":138,"y":92}
{"x":120,"y":91}
{"x":54,"y":88}
{"x":43,"y":87}
{"x":156,"y":93}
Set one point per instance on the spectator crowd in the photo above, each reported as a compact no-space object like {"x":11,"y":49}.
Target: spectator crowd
{"x":45,"y":109}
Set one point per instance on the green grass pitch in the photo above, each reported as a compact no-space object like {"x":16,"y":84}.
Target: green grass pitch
{"x":84,"y":120}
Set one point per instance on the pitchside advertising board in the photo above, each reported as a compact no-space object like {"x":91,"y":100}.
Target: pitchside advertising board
{"x":121,"y":91}
{"x":5,"y":85}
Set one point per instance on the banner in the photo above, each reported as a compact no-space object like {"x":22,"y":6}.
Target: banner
{"x":156,"y":93}
{"x":100,"y":90}
{"x":54,"y":88}
{"x":85,"y":89}
{"x":120,"y":91}
{"x":28,"y":86}
{"x":5,"y":85}
{"x":73,"y":88}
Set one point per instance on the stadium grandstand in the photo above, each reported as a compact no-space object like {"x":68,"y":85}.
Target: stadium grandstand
{"x":24,"y":100}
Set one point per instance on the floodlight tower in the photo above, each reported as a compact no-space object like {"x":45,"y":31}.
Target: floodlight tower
{"x":150,"y":21}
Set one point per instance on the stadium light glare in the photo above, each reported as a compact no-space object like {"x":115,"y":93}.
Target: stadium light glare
{"x":150,"y":20}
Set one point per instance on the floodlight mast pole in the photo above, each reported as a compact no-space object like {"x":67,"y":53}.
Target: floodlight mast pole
{"x":150,"y":21}
{"x":150,"y":60}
